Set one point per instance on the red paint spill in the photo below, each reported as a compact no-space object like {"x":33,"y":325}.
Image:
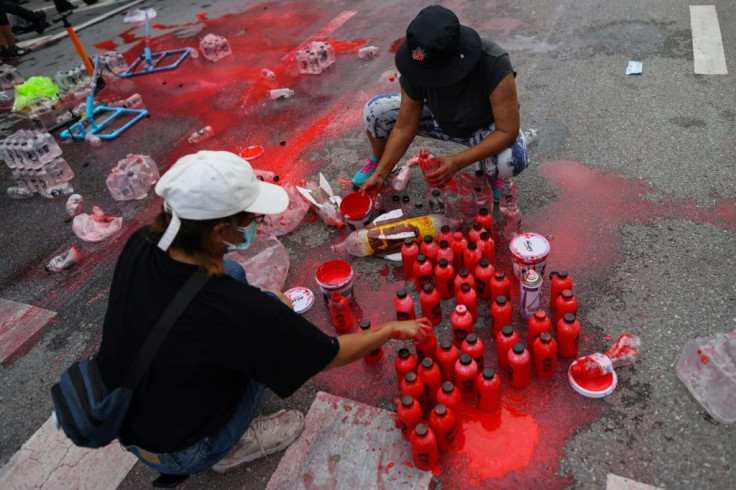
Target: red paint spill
{"x":390,"y":465}
{"x":395,"y":45}
{"x":348,"y":408}
{"x":704,"y":359}
{"x":108,"y":45}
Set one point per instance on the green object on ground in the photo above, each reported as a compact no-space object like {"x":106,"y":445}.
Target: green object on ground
{"x":33,"y":88}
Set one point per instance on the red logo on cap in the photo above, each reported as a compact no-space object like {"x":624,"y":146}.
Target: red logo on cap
{"x":418,"y":54}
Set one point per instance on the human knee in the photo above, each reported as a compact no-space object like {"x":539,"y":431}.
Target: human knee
{"x":380,"y":113}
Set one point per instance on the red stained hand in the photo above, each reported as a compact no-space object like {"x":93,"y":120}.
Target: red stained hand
{"x":443,"y":174}
{"x":417,"y":330}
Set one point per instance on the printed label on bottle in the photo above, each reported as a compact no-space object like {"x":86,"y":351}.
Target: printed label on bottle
{"x":402,"y":315}
{"x":450,"y":435}
{"x":425,"y":280}
{"x":468,"y":385}
{"x":437,"y":311}
{"x":547,"y":364}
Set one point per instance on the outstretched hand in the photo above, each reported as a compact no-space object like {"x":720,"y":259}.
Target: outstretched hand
{"x":372,"y":185}
{"x":442,"y":175}
{"x":418,"y":330}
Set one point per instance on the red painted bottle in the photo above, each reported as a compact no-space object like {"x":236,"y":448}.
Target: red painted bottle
{"x":462,"y":324}
{"x":409,"y":253}
{"x":501,"y":313}
{"x":505,"y":340}
{"x":568,"y":333}
{"x":404,"y":306}
{"x":445,"y":252}
{"x":474,"y":347}
{"x":489,"y":391}
{"x":447,"y":356}
{"x":559,"y":281}
{"x":374,"y":355}
{"x":428,"y":348}
{"x":444,"y":277}
{"x":409,"y":413}
{"x":500,"y":286}
{"x":429,"y":299}
{"x":443,"y":424}
{"x":458,"y":245}
{"x":430,"y":374}
{"x":485,"y":218}
{"x":466,"y":371}
{"x":450,"y":397}
{"x":519,"y":366}
{"x":405,"y":362}
{"x":487,"y":247}
{"x":483,"y":274}
{"x":474,"y":232}
{"x":566,"y":303}
{"x":544,"y":356}
{"x":445,"y":234}
{"x":412,"y":385}
{"x":429,"y":249}
{"x":424,"y":448}
{"x":342,"y":317}
{"x":468,"y":297}
{"x":464,"y":275}
{"x":423,"y":272}
{"x":472,"y":256}
{"x":539,"y":323}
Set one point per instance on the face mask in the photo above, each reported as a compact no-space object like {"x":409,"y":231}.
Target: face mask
{"x":249,"y":234}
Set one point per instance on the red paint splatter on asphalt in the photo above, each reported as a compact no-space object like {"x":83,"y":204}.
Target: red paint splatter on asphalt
{"x":108,"y":45}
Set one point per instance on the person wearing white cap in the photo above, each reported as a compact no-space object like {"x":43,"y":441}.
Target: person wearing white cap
{"x":195,"y":407}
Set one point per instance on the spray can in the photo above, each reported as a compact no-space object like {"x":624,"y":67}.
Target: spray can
{"x":447,"y":356}
{"x":519,"y":366}
{"x":545,"y":356}
{"x":530,"y":299}
{"x":500,"y":314}
{"x":466,"y":372}
{"x":430,"y":374}
{"x":450,"y":397}
{"x":489,"y":391}
{"x":442,"y":422}
{"x":404,"y":306}
{"x":424,"y":448}
{"x":505,"y":340}
{"x":409,"y":413}
{"x":462,"y":324}
{"x":375,"y":355}
{"x":429,"y":299}
{"x":444,"y":277}
{"x":473,"y":346}
{"x":405,"y":362}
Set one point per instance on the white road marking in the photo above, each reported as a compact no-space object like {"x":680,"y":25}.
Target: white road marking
{"x":708,"y":55}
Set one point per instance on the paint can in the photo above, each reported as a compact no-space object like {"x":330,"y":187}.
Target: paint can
{"x":335,"y":276}
{"x":301,"y":299}
{"x":530,"y":299}
{"x":529,"y":251}
{"x":593,"y":388}
{"x":357,"y":210}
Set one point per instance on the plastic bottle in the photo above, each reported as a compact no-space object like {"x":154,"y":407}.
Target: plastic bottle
{"x":459,"y":244}
{"x":266,"y":73}
{"x":474,"y":347}
{"x":423,"y":273}
{"x":545,"y":356}
{"x":593,"y":366}
{"x":59,"y":190}
{"x":466,"y":372}
{"x":443,"y":424}
{"x":429,"y":299}
{"x":512,"y":222}
{"x":428,"y":348}
{"x":18,"y":192}
{"x":462,"y":324}
{"x":530,"y":294}
{"x":500,"y":285}
{"x":413,"y":386}
{"x":501,"y":313}
{"x":428,"y":162}
{"x":430,"y":374}
{"x":444,"y":276}
{"x":401,"y":180}
{"x":435,"y":201}
{"x":449,"y":396}
{"x":466,"y":296}
{"x":445,"y":252}
{"x":505,"y":340}
{"x":135,"y":101}
{"x":485,"y":218}
{"x":447,"y":356}
{"x":445,"y":234}
{"x":424,"y":448}
{"x":92,"y":140}
{"x":367,"y":52}
{"x":463,"y":276}
{"x":404,"y":306}
{"x":74,"y":205}
{"x":404,"y":362}
{"x":483,"y":274}
{"x":489,"y":391}
{"x":507,"y":194}
{"x":342,"y":317}
{"x":409,"y":253}
{"x":566,"y":303}
{"x":568,"y":333}
{"x":537,"y":325}
{"x":201,"y":135}
{"x":519,"y":366}
{"x":475,"y":232}
{"x":429,"y":249}
{"x":62,"y":261}
{"x":409,"y":414}
{"x":559,"y":281}
{"x":375,"y":355}
{"x":472,"y":256}
{"x":281,"y":93}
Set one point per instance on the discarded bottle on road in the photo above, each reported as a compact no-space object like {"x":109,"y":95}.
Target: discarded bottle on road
{"x":559,"y":281}
{"x":483,"y":274}
{"x":342,"y":317}
{"x":423,"y":273}
{"x":429,"y":248}
{"x":428,"y":348}
{"x":444,"y":277}
{"x":281,"y":93}
{"x":537,"y":325}
{"x":466,"y":373}
{"x":501,"y":313}
{"x":430,"y":302}
{"x":409,"y":254}
{"x":566,"y":303}
{"x":266,"y":73}
{"x":367,"y":52}
{"x":467,"y":297}
{"x":201,"y":135}
{"x":449,"y":396}
{"x":592,"y":366}
{"x":74,"y":205}
{"x":61,"y":262}
{"x":462,"y":324}
{"x":500,"y":286}
{"x":485,"y":218}
{"x":413,"y":385}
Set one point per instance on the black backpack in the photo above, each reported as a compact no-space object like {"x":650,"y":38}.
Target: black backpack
{"x":88,"y":411}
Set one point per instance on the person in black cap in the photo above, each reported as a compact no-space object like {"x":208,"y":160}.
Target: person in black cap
{"x":455,"y":86}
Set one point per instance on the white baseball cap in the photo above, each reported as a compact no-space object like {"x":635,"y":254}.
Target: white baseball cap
{"x":214,"y":184}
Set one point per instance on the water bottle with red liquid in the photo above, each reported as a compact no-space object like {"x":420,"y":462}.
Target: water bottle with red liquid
{"x":545,"y":356}
{"x":474,"y":347}
{"x":475,"y":231}
{"x":405,"y":362}
{"x":342,"y":317}
{"x":445,"y":252}
{"x":444,"y":278}
{"x":430,"y":374}
{"x":483,"y":274}
{"x":467,"y":296}
{"x":539,"y":323}
{"x":449,"y":396}
{"x":464,"y":275}
{"x":428,"y":348}
{"x":429,"y":249}
{"x":566,"y":303}
{"x":519,"y":366}
{"x":559,"y":281}
{"x":462,"y":324}
{"x":485,"y":218}
{"x":445,"y":234}
{"x":413,"y":385}
{"x":424,"y":448}
{"x":501,"y":313}
{"x":489,"y":391}
{"x":374,"y":355}
{"x":428,"y":162}
{"x":487,"y":247}
{"x":505,"y":340}
{"x":568,"y":333}
{"x":458,"y":245}
{"x":409,"y":253}
{"x":447,"y":356}
{"x":409,"y":414}
{"x":423,"y":272}
{"x":442,"y":422}
{"x":472,"y":256}
{"x":404,"y":306}
{"x":466,"y":372}
{"x":429,"y":299}
{"x":500,"y":285}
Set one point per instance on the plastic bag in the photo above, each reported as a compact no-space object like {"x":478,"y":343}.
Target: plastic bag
{"x":32,"y":89}
{"x":136,"y":15}
{"x":625,"y":351}
{"x":266,"y":262}
{"x":95,"y":227}
{"x":281,"y":224}
{"x":132,"y":177}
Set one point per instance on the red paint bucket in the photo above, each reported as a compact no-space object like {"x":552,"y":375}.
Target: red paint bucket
{"x":335,"y":276}
{"x":529,"y":251}
{"x":356,"y":209}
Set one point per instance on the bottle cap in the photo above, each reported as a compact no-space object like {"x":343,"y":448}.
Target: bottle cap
{"x":408,"y":242}
{"x":427,"y":363}
{"x":500,"y":275}
{"x":540,"y":314}
{"x":428,"y":288}
{"x":463,"y":272}
{"x":477,"y":225}
{"x":445,"y":229}
{"x":461,"y":309}
{"x":401,"y":293}
{"x":435,"y":192}
{"x":485,"y":235}
{"x":404,"y":353}
{"x":365,"y":324}
{"x":471,"y":338}
{"x":421,"y":258}
{"x":301,"y":298}
{"x":518,"y":348}
{"x":483,"y":211}
{"x":488,"y":373}
{"x":507,"y":331}
{"x":472,"y":245}
{"x":447,"y":387}
{"x":562,"y":274}
{"x":465,"y":359}
{"x":440,"y":410}
{"x":569,"y":317}
{"x":465,"y":287}
{"x":407,"y":400}
{"x":567,"y":294}
{"x":501,"y":299}
{"x":446,"y":345}
{"x":428,"y":239}
{"x":545,"y":337}
{"x":410,"y":377}
{"x":484,"y":262}
{"x":444,"y":244}
{"x":421,"y":430}
{"x":443,"y":262}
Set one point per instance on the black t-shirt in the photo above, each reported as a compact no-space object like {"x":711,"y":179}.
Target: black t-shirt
{"x":464,"y":107}
{"x":229,"y":333}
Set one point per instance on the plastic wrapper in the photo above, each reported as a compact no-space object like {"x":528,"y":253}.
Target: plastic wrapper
{"x":74,"y":205}
{"x":286,"y":222}
{"x":625,"y":351}
{"x":707,"y":366}
{"x":266,"y":262}
{"x":95,"y":227}
{"x":132,"y":178}
{"x":323,"y":201}
{"x":133,"y":16}
{"x":31,"y":89}
{"x":65,"y":260}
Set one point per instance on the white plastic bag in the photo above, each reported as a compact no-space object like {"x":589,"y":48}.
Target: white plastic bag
{"x":281,"y":224}
{"x":95,"y":227}
{"x":266,"y":262}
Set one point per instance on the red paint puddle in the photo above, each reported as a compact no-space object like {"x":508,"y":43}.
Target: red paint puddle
{"x":108,"y":45}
